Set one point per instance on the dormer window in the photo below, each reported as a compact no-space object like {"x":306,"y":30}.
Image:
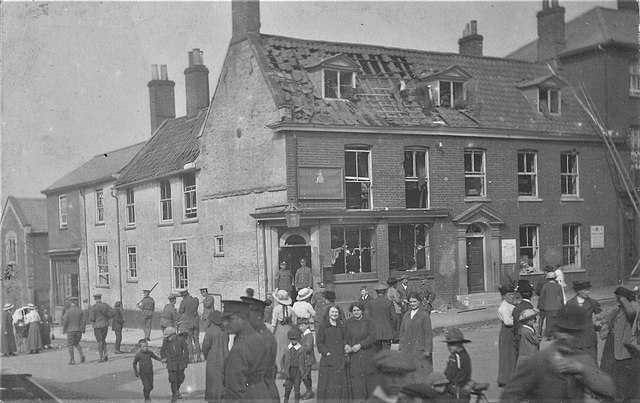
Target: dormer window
{"x":544,"y":93}
{"x":447,"y":86}
{"x":451,"y":93}
{"x":337,"y":84}
{"x":549,"y":101}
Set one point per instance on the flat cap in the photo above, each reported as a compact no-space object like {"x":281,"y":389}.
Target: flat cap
{"x":393,"y":361}
{"x":97,"y":295}
{"x":625,"y":292}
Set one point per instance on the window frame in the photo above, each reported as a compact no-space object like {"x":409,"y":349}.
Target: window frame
{"x":218,"y":245}
{"x":132,"y":269}
{"x":339,"y":85}
{"x":166,"y":203}
{"x":99,"y":206}
{"x":532,"y":174}
{"x":412,"y":179}
{"x":534,"y":231}
{"x":339,"y":251}
{"x":179,"y":280}
{"x":576,"y":247}
{"x":456,"y":90}
{"x":565,"y":177}
{"x":482,"y":173}
{"x":130,"y":207}
{"x":190,"y":197}
{"x":63,"y":212}
{"x":634,"y":78}
{"x":557,"y":102}
{"x":426,"y":247}
{"x":102,"y":266}
{"x":11,"y":250}
{"x":368,"y":180}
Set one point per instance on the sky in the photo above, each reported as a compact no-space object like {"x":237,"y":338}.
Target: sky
{"x":74,"y":74}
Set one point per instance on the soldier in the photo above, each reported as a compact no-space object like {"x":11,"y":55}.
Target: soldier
{"x":147,"y":305}
{"x":73,"y":326}
{"x":207,"y":306}
{"x":246,"y":363}
{"x":169,"y":315}
{"x":256,"y":320}
{"x":190,"y":323}
{"x":303,"y":277}
{"x":99,"y":316}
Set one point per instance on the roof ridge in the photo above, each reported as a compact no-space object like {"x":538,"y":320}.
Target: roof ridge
{"x":118,"y":149}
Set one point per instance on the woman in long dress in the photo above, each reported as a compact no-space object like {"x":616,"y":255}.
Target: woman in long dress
{"x":215,"y":348}
{"x":34,"y":338}
{"x":45,"y":326}
{"x":416,"y":339}
{"x":360,"y":336}
{"x":281,"y":320}
{"x":332,"y":377}
{"x":506,"y":348}
{"x":8,"y":338}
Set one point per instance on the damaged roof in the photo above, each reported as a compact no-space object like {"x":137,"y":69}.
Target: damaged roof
{"x":173,"y":145}
{"x":493,"y":99}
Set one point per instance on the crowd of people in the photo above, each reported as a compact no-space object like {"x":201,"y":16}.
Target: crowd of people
{"x":27,"y":330}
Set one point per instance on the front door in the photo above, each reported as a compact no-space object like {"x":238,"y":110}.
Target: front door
{"x":475,"y":266}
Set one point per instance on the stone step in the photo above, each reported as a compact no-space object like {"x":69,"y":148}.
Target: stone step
{"x":480,"y":300}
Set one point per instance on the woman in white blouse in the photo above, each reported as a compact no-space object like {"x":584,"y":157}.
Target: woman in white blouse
{"x":506,"y":347}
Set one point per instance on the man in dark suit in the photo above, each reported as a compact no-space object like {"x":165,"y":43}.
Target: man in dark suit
{"x":383,"y":314}
{"x":190,"y":323}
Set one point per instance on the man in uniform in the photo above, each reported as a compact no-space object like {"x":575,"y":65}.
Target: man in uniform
{"x":169,"y":315}
{"x":207,"y":306}
{"x":147,"y":305}
{"x":246,"y":364}
{"x":256,"y":320}
{"x":99,"y":316}
{"x":303,"y":277}
{"x":190,"y":323}
{"x":383,"y":314}
{"x":73,"y":326}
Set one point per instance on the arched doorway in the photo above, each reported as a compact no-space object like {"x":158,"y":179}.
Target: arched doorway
{"x":475,"y":257}
{"x":294,"y":246}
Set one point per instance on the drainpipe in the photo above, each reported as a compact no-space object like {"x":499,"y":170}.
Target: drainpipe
{"x":258,"y":258}
{"x":86,"y":250}
{"x":114,"y":194}
{"x":264,"y":258}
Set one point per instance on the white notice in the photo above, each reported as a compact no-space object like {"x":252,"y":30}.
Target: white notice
{"x":509,"y":251}
{"x":597,"y":236}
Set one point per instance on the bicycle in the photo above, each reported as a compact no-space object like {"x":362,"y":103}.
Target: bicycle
{"x":477,"y":393}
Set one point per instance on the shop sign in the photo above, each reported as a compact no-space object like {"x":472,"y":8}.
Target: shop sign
{"x":320,"y":183}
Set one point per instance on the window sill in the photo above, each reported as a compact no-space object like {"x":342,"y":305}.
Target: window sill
{"x":634,"y":94}
{"x":412,"y":274}
{"x":573,"y":269}
{"x":129,"y":227}
{"x":476,"y":199}
{"x":529,"y":199}
{"x":65,"y":227}
{"x":132,"y":280}
{"x":99,"y":224}
{"x":354,"y":278}
{"x":532,"y":273}
{"x":190,"y":220}
{"x":106,"y":286}
{"x":218,"y":255}
{"x":165,"y":224}
{"x":571,"y":199}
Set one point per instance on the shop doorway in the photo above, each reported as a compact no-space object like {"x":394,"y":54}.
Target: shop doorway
{"x":294,"y":248}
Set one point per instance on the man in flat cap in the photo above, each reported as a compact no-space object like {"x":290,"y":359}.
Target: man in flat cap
{"x":146,"y":305}
{"x":99,"y":316}
{"x":207,"y":306}
{"x":73,"y":326}
{"x":246,"y":363}
{"x":190,"y":323}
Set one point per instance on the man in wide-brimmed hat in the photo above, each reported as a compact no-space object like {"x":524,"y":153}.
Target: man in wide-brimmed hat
{"x":587,"y":341}
{"x":458,"y":370}
{"x":383,"y":314}
{"x":560,"y":372}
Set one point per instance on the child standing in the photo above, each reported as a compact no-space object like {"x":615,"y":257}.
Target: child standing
{"x":175,"y":353}
{"x":145,"y":373}
{"x":294,"y":362}
{"x":529,"y":340}
{"x":308,"y":346}
{"x":458,"y":370}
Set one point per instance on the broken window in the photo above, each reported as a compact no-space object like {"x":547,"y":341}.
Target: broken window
{"x":549,"y":101}
{"x":416,"y":178}
{"x":357,"y":179}
{"x":102,"y":263}
{"x":409,"y":247}
{"x":351,"y":248}
{"x":529,"y":259}
{"x":179,"y":264}
{"x":527,"y":173}
{"x":569,"y":174}
{"x":474,"y":173}
{"x":190,"y":199}
{"x":337,"y":84}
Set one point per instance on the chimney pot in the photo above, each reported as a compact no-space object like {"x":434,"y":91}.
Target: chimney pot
{"x":474,"y":27}
{"x":197,"y":83}
{"x":163,"y":72}
{"x":154,"y":71}
{"x":471,"y":42}
{"x":161,"y":97}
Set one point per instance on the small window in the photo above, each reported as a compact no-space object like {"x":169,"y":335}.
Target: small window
{"x":569,"y":174}
{"x":571,"y":245}
{"x":166,"y":213}
{"x":102,"y":263}
{"x":218,"y":246}
{"x":549,"y":101}
{"x":132,"y":262}
{"x":352,"y":249}
{"x":99,"y":206}
{"x":179,"y":264}
{"x":337,"y":84}
{"x":474,"y":173}
{"x":634,"y":79}
{"x":529,"y":258}
{"x":527,"y":173}
{"x":131,"y":208}
{"x":190,"y":199}
{"x":357,"y":179}
{"x":409,"y":248}
{"x":416,"y":179}
{"x":451,"y":93}
{"x":11,"y":243}
{"x":62,"y":210}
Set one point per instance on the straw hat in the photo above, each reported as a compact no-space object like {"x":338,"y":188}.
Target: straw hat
{"x":304,"y":293}
{"x":8,"y":306}
{"x":31,"y":306}
{"x":551,"y":275}
{"x":282,"y":297}
{"x":527,"y":314}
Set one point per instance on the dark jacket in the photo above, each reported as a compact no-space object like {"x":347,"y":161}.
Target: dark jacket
{"x":100,"y":313}
{"x":175,"y":350}
{"x":73,"y":320}
{"x":245,"y":367}
{"x":383,"y":314}
{"x":416,"y":335}
{"x":302,"y":361}
{"x":189,"y":311}
{"x":118,"y":320}
{"x":551,"y":297}
{"x":143,"y":359}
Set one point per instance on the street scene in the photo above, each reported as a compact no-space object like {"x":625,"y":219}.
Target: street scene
{"x":339,"y":202}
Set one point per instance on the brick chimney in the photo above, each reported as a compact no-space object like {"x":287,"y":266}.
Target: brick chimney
{"x":245,"y":18}
{"x":551,"y":39}
{"x":628,"y":5}
{"x":471,"y":42}
{"x":161,"y":96}
{"x":197,"y":83}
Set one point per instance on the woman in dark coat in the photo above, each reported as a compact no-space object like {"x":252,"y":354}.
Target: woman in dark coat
{"x":587,"y":340}
{"x":416,"y":339}
{"x":215,"y":348}
{"x":45,"y":326}
{"x":332,"y":376}
{"x":360,"y":336}
{"x":8,"y":338}
{"x":118,"y":324}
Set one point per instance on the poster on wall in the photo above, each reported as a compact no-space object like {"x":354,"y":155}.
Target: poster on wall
{"x":597,"y":236}
{"x":509,"y":251}
{"x":320,"y":183}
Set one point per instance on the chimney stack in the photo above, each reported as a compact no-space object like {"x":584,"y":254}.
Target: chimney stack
{"x":471,"y":42}
{"x":161,"y":97}
{"x":551,"y":39}
{"x":245,"y":18}
{"x":197,"y":83}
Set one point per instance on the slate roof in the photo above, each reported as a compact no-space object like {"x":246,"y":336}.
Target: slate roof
{"x":493,"y":100}
{"x":99,"y":169}
{"x":173,"y":145}
{"x":597,"y":26}
{"x":31,"y":211}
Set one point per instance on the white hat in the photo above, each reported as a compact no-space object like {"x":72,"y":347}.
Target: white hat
{"x":551,"y":274}
{"x":304,"y":293}
{"x":8,"y":306}
{"x":527,"y":314}
{"x":30,"y":305}
{"x":282,"y":297}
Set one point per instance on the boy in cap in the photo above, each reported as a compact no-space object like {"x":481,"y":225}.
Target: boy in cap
{"x":458,"y":370}
{"x":294,"y":363}
{"x":529,"y":340}
{"x":145,"y":373}
{"x":175,"y":353}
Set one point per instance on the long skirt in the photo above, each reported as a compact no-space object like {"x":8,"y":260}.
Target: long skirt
{"x":506,"y":355}
{"x":45,"y":332}
{"x":34,"y":339}
{"x":283,"y":341}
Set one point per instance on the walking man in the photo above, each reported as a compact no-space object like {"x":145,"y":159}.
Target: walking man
{"x":147,"y":305}
{"x":73,"y":326}
{"x":99,"y":316}
{"x":207,"y":306}
{"x":190,"y":323}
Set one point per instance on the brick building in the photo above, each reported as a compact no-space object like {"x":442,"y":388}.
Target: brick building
{"x":374,"y":162}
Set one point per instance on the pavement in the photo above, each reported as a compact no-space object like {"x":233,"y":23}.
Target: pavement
{"x":440,"y":321}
